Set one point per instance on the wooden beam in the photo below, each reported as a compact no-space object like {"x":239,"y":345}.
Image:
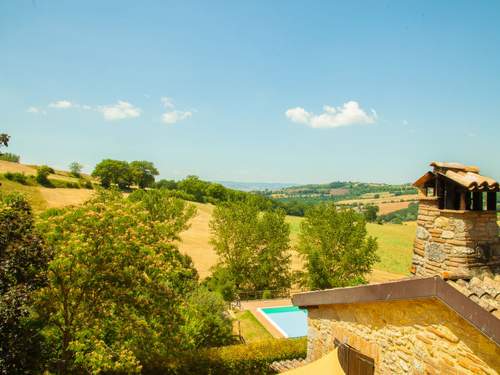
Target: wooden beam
{"x":463,"y":203}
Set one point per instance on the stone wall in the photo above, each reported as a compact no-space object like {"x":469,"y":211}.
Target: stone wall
{"x":404,"y":337}
{"x":453,"y":243}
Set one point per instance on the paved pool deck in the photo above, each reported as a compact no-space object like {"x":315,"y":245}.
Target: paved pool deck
{"x":252,"y":306}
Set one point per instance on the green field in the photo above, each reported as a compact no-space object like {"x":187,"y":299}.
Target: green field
{"x":250,"y":327}
{"x":395,"y":243}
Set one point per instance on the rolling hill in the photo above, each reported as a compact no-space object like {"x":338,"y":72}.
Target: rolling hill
{"x":395,"y":241}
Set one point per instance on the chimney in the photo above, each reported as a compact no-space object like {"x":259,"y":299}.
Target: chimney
{"x":457,"y":231}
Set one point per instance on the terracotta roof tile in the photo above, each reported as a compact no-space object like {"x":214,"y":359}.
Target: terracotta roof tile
{"x":464,"y":175}
{"x":485,"y":291}
{"x":289,"y":364}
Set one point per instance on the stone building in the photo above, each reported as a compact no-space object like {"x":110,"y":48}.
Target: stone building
{"x":443,"y":320}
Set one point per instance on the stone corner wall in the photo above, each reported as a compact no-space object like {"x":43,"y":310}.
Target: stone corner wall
{"x":404,"y":337}
{"x":453,"y":243}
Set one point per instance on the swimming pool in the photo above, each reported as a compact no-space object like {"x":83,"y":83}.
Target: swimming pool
{"x":289,"y":320}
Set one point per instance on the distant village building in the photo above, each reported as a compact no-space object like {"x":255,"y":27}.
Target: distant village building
{"x":445,"y":319}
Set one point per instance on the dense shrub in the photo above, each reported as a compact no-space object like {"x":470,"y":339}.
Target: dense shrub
{"x":23,"y":264}
{"x":10,"y":157}
{"x":42,"y":175}
{"x":244,"y":359}
{"x":17,"y":177}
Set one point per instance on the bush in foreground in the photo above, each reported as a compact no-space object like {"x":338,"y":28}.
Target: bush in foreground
{"x":23,"y":265}
{"x":244,"y":359}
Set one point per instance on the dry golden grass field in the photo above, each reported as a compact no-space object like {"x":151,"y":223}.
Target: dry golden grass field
{"x":30,"y":170}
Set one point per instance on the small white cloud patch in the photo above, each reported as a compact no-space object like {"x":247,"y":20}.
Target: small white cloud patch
{"x":61,"y":104}
{"x":119,"y":111}
{"x":36,"y":111}
{"x":348,"y":114}
{"x":167,"y":102}
{"x":174,"y":117}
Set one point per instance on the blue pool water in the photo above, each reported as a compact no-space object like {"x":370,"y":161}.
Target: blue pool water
{"x":289,"y":320}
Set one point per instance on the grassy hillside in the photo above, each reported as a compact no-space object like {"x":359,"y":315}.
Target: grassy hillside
{"x":40,"y":197}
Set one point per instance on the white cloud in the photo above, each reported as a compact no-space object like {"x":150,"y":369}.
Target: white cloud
{"x":333,"y":117}
{"x":173,"y":117}
{"x":299,"y":115}
{"x":61,"y":104}
{"x":119,"y":111}
{"x":36,"y":110}
{"x":167,"y":102}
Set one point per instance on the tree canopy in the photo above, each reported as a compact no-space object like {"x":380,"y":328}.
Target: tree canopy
{"x":335,"y":247}
{"x":4,"y":140}
{"x":124,"y":174}
{"x":143,"y":173}
{"x":113,"y":171}
{"x":253,"y":249}
{"x":75,"y":168}
{"x":118,"y":286}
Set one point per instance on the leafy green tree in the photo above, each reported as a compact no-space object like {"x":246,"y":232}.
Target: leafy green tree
{"x":143,"y":173}
{"x":166,"y":184}
{"x":4,"y":140}
{"x":370,"y":212}
{"x":194,"y":186}
{"x":76,"y":168}
{"x":117,"y":282}
{"x":253,"y":247}
{"x":217,"y":192}
{"x":206,"y":322}
{"x":23,"y":265}
{"x":42,"y":175}
{"x":113,"y":171}
{"x":335,"y":247}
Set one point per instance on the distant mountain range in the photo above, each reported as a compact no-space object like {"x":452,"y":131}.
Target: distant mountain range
{"x":254,"y":186}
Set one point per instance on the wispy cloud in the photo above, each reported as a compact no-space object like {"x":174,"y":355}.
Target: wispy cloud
{"x":36,"y":110}
{"x":62,"y":104}
{"x":167,"y":102}
{"x":173,"y":116}
{"x":119,"y":111}
{"x":348,"y":114}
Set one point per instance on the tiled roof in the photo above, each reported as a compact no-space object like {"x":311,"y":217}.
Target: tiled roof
{"x":471,"y":180}
{"x":457,"y":166}
{"x":289,"y":364}
{"x":485,"y":291}
{"x":465,"y":175}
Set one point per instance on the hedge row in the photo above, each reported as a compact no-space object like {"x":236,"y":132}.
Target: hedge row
{"x":242,"y":359}
{"x":24,"y":179}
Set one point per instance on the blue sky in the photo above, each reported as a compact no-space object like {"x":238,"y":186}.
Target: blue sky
{"x":270,"y":91}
